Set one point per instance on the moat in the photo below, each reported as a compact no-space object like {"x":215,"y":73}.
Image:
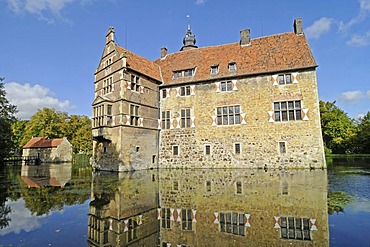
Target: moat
{"x":69,"y":205}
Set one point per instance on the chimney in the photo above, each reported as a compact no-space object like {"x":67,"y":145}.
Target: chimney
{"x":245,"y":37}
{"x":163,"y":52}
{"x":110,"y":35}
{"x":298,"y":30}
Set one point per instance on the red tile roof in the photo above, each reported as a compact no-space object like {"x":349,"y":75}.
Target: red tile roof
{"x":43,"y":142}
{"x":140,"y":64}
{"x":268,"y":54}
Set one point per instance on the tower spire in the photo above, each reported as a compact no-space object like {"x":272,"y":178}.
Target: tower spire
{"x":189,"y":39}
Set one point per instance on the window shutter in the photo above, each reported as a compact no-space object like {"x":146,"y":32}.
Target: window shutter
{"x":243,"y":119}
{"x":141,"y":89}
{"x":193,"y":214}
{"x":271,"y":116}
{"x":235,"y":88}
{"x":295,"y":77}
{"x":159,"y":124}
{"x":126,"y":226}
{"x":140,"y":122}
{"x":192,"y":90}
{"x":171,"y":215}
{"x":128,"y":85}
{"x":177,"y":91}
{"x":305,"y":114}
{"x":277,"y":226}
{"x":217,"y":220}
{"x":127,"y":119}
{"x":159,"y":213}
{"x":178,"y":215}
{"x":172,"y":123}
{"x":214,"y":118}
{"x":192,"y":122}
{"x":274,"y":80}
{"x":218,"y":87}
{"x":168,"y":93}
{"x":247,"y":217}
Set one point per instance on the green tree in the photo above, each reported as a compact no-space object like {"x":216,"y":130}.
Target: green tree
{"x":45,"y":122}
{"x":338,"y":129}
{"x":362,"y":139}
{"x":18,"y":129}
{"x":7,"y":112}
{"x":78,"y":131}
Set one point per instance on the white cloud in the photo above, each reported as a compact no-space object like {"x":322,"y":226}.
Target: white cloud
{"x":46,"y":10}
{"x":29,"y":99}
{"x":368,"y":94}
{"x":363,"y":13}
{"x":22,"y":218}
{"x":359,"y":40}
{"x":351,"y":97}
{"x":318,"y":28}
{"x":200,"y":2}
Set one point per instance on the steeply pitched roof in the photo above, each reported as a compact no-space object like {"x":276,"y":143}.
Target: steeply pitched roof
{"x":140,"y":64}
{"x":268,"y":54}
{"x":43,"y":142}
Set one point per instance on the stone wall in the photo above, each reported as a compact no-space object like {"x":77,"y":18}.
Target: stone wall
{"x":258,"y":134}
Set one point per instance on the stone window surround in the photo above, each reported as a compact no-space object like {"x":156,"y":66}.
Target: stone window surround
{"x":282,"y":147}
{"x":282,"y":112}
{"x":228,"y":114}
{"x":205,"y":149}
{"x":236,"y":148}
{"x":135,"y":83}
{"x":288,"y":225}
{"x":175,"y":150}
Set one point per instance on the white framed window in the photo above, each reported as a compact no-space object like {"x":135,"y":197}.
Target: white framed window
{"x":232,"y":222}
{"x":237,"y":148}
{"x":135,"y":83}
{"x":288,"y":110}
{"x":295,"y":228}
{"x":134,"y":115}
{"x":186,"y":219}
{"x":284,"y":79}
{"x":185,"y":91}
{"x":108,"y":85}
{"x":185,"y":118}
{"x":184,"y":73}
{"x":207,"y":149}
{"x":228,"y":115}
{"x":226,"y":86}
{"x":214,"y":69}
{"x":232,"y":67}
{"x":166,"y":119}
{"x":175,"y":150}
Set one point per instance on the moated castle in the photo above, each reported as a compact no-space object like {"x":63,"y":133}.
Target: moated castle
{"x":248,"y":104}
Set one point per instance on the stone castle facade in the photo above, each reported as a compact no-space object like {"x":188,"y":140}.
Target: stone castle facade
{"x":249,"y":104}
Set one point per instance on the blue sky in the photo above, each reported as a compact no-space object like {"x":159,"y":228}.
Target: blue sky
{"x":50,"y":48}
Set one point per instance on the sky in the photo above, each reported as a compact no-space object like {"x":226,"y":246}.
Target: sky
{"x":49,"y":49}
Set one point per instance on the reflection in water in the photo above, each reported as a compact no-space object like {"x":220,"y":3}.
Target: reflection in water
{"x":231,"y":207}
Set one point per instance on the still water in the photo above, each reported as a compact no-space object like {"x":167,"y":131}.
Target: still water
{"x":65,"y":205}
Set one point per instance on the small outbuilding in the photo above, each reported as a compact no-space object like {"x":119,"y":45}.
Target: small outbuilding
{"x":49,"y":150}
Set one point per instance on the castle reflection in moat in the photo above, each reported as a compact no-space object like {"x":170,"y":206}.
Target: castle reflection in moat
{"x":231,"y":207}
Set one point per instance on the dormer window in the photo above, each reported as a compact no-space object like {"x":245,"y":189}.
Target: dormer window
{"x":214,"y":69}
{"x":184,"y":73}
{"x":232,"y":67}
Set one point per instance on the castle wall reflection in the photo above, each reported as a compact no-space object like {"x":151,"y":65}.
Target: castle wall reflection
{"x":231,"y":207}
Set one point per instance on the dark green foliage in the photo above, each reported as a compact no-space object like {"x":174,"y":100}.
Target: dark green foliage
{"x":7,"y":112}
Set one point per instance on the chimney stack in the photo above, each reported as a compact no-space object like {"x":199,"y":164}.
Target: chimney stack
{"x":163,"y":52}
{"x":245,"y":37}
{"x":298,"y":30}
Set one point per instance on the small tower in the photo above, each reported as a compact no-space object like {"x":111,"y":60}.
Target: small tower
{"x":189,"y":39}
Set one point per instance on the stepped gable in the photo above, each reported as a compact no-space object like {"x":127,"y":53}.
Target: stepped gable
{"x":140,"y":64}
{"x":280,"y":52}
